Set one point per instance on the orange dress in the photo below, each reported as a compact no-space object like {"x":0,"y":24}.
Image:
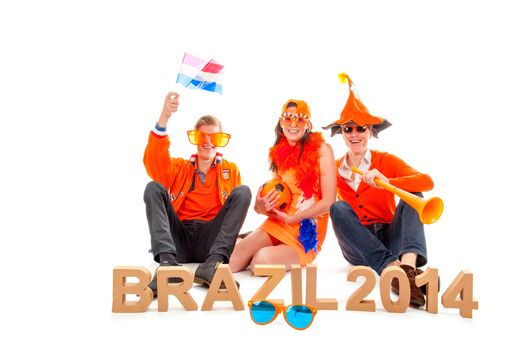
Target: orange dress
{"x":289,"y":234}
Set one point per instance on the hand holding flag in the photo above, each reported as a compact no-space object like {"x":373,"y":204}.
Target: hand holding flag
{"x":171,"y":104}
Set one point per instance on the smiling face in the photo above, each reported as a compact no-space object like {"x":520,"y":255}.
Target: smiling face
{"x":356,"y":137}
{"x":296,"y":128}
{"x":207,"y":151}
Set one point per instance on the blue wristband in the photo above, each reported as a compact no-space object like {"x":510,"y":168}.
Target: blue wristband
{"x":158,"y":128}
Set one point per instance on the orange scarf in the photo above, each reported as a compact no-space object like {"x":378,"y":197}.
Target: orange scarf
{"x":307,"y":168}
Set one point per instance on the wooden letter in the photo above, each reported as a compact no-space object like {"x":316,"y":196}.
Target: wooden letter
{"x":311,"y":299}
{"x":121,"y":289}
{"x":180,"y":290}
{"x":462,"y":285}
{"x":402,"y":303}
{"x":430,"y":277}
{"x":231,"y":293}
{"x":296,"y":284}
{"x":276,"y":274}
{"x":356,"y":301}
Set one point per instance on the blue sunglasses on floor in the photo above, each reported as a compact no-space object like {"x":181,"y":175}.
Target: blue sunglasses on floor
{"x":297,"y":316}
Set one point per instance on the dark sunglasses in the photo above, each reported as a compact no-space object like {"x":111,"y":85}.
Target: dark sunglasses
{"x":360,"y":129}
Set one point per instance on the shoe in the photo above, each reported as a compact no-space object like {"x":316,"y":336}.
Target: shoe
{"x":204,"y":274}
{"x":424,"y":287}
{"x":244,"y":234}
{"x":153,"y":283}
{"x":417,"y":297}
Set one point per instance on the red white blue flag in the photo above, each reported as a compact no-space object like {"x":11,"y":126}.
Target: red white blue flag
{"x":197,"y":73}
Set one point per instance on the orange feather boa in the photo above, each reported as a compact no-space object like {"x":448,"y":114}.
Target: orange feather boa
{"x":307,"y":169}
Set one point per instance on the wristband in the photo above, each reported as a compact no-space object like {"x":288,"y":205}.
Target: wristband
{"x":159,"y":130}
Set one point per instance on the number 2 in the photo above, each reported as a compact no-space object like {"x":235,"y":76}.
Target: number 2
{"x":356,"y":301}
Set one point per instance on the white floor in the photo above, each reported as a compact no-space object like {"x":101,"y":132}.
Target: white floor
{"x":378,"y":328}
{"x":60,"y":293}
{"x":58,"y":290}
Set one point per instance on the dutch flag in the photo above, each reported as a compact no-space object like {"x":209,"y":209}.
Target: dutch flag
{"x":197,"y":73}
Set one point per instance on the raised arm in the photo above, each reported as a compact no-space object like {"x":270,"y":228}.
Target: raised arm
{"x":157,"y":161}
{"x":171,"y":104}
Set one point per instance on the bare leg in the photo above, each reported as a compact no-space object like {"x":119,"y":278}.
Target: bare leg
{"x":279,"y":255}
{"x":394,"y":263}
{"x":246,"y":248}
{"x":409,"y":259}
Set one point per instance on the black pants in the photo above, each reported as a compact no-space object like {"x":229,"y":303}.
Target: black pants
{"x":194,"y":240}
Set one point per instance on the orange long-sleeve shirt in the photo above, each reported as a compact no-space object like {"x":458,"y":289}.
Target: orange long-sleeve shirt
{"x":176,"y":174}
{"x":374,"y":205}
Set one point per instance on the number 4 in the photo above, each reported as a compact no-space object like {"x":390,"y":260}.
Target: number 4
{"x":462,"y":285}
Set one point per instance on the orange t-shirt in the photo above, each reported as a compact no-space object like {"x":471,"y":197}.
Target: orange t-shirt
{"x":203,"y":202}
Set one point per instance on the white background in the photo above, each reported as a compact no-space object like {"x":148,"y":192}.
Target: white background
{"x":82,"y":83}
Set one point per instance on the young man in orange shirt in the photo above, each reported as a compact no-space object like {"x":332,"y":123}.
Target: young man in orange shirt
{"x":196,"y":207}
{"x":371,"y":229}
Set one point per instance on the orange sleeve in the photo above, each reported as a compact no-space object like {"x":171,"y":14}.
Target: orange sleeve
{"x":157,"y":161}
{"x":405,"y":177}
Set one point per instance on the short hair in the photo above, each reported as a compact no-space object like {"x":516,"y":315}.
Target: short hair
{"x":208,"y":120}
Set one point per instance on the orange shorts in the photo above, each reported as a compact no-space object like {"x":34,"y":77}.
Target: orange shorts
{"x":274,"y":240}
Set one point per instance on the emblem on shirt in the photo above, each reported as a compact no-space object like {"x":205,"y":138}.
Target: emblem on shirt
{"x":226,"y":174}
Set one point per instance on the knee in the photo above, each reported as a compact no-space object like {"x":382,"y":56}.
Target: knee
{"x":343,"y":218}
{"x":262,"y":257}
{"x":234,"y":262}
{"x":403,"y":204}
{"x":339,"y":209}
{"x":242,"y":193}
{"x":152,"y":189}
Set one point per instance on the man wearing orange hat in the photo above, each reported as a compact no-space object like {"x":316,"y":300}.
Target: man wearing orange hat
{"x":196,"y":207}
{"x":371,"y":229}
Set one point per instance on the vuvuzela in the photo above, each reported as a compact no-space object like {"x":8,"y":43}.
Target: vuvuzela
{"x":429,"y":210}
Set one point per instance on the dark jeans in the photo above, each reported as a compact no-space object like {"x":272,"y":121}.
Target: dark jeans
{"x":377,"y":245}
{"x":194,"y":240}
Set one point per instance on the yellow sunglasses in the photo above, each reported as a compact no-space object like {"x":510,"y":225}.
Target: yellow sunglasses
{"x":218,"y":139}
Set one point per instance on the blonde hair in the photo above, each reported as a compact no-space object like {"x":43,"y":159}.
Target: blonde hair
{"x":208,"y":120}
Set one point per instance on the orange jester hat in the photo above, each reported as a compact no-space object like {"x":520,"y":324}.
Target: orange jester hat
{"x":355,"y":111}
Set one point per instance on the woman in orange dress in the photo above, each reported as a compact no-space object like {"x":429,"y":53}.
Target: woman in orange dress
{"x":302,"y":160}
